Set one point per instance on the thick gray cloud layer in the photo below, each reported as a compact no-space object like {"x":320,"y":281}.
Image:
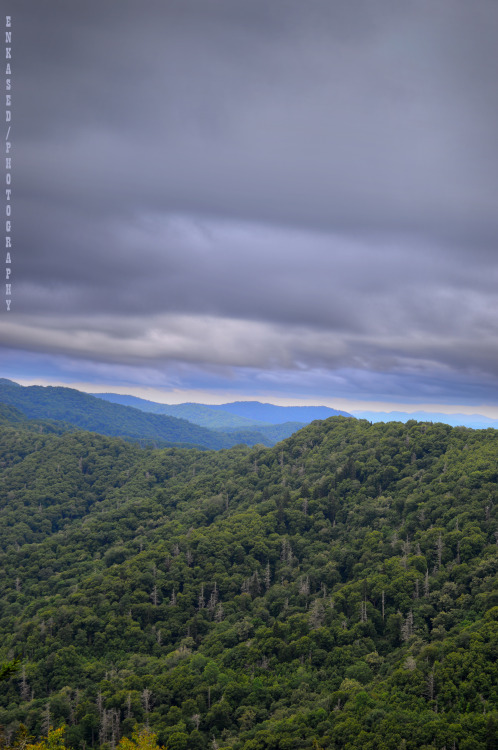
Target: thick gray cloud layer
{"x":301,"y":187}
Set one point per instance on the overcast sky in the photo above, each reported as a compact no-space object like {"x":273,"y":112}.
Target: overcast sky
{"x":275,"y":199}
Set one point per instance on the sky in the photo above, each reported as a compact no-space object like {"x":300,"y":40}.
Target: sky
{"x":278,"y":200}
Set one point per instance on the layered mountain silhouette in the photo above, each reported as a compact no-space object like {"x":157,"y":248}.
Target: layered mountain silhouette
{"x":160,"y":424}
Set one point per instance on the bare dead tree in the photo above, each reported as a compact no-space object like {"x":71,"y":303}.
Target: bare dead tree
{"x":439,"y":550}
{"x":154,"y":596}
{"x":24,"y":687}
{"x":46,"y":721}
{"x":146,"y":703}
{"x":201,"y":602}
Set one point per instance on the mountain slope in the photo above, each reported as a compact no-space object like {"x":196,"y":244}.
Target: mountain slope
{"x":266,"y":434}
{"x":339,"y":590}
{"x":10,"y":416}
{"x":278,"y":414}
{"x":90,"y":413}
{"x":200,"y":414}
{"x":243,"y":414}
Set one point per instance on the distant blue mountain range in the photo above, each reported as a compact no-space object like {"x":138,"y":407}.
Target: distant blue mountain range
{"x":272,"y":414}
{"x":241,"y":414}
{"x":210,"y":426}
{"x":475,"y":421}
{"x":157,"y":424}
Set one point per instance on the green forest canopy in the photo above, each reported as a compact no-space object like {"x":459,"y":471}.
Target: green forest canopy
{"x":338,"y":590}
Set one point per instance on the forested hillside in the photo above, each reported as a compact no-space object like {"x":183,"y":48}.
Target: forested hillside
{"x":336,"y":591}
{"x":266,"y":434}
{"x":9,"y":415}
{"x":95,"y":413}
{"x":200,"y":414}
{"x":273,"y":414}
{"x":90,"y":413}
{"x":237,"y":414}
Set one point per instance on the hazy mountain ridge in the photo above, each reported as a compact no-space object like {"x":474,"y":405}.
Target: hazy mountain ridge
{"x":272,"y":432}
{"x":231,"y":415}
{"x":201,"y":414}
{"x":274,"y":414}
{"x":474,"y":421}
{"x":89,"y":413}
{"x":77,"y":410}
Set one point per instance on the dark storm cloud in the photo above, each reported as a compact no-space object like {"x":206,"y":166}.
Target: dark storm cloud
{"x":322,"y":115}
{"x":259,"y":184}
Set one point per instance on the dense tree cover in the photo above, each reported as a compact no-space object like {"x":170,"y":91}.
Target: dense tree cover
{"x":268,"y":435}
{"x":338,"y":590}
{"x":235,"y":415}
{"x":9,"y":415}
{"x":90,"y":413}
{"x":141,"y":739}
{"x":8,"y":669}
{"x":200,"y":414}
{"x":84,"y":411}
